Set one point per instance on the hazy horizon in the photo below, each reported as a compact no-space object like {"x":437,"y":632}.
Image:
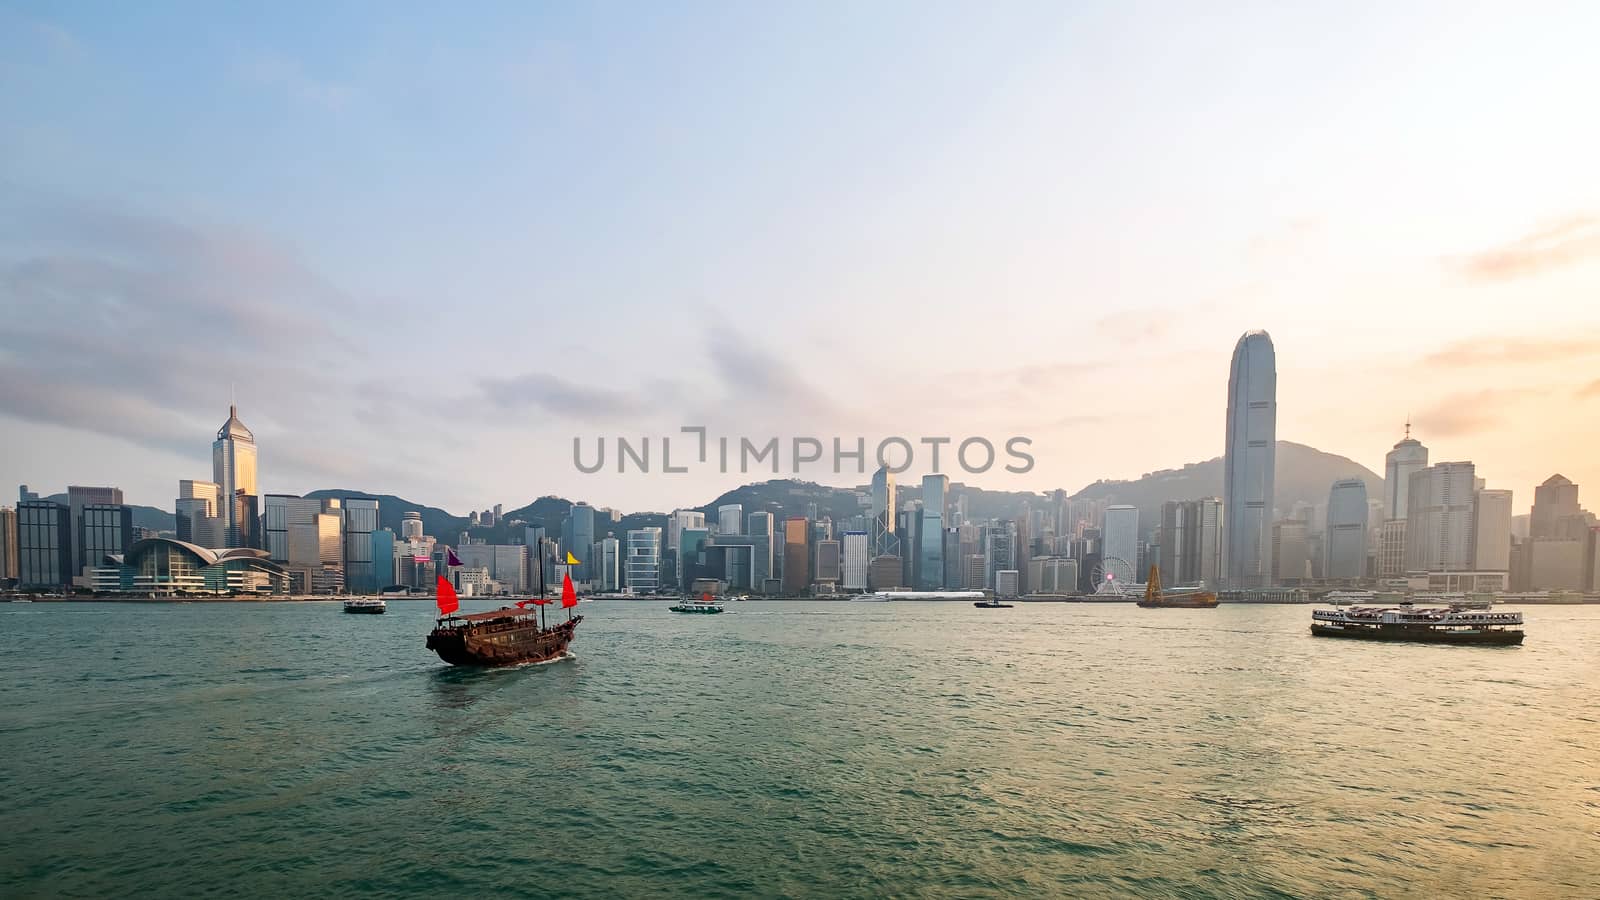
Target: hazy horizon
{"x":426,"y":253}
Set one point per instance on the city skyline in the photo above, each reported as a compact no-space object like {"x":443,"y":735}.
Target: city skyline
{"x":441,"y":254}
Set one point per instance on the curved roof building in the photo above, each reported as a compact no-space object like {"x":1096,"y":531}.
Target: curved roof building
{"x":1249,"y":460}
{"x":162,"y":565}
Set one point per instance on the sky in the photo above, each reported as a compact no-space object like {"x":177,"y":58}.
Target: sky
{"x":426,"y":249}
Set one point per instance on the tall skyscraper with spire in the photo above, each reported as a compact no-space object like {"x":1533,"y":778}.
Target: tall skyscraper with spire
{"x":884,"y":541}
{"x":233,"y":468}
{"x":1248,"y":461}
{"x":1407,"y":457}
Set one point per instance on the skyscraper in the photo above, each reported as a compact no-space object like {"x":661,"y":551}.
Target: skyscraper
{"x":1407,"y":457}
{"x":44,"y":543}
{"x":856,"y":553}
{"x":882,"y":531}
{"x":730,"y":518}
{"x":361,"y":571}
{"x":1249,"y":460}
{"x":233,"y":468}
{"x":200,"y":519}
{"x":1556,"y":513}
{"x":1439,"y":504}
{"x":1491,"y":531}
{"x":1122,"y":538}
{"x":1191,"y":541}
{"x":644,"y":559}
{"x":930,"y":571}
{"x":1345,"y":541}
{"x":411,"y":526}
{"x":578,"y":537}
{"x":796,"y":554}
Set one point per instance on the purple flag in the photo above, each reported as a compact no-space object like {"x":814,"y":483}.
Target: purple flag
{"x":450,"y":557}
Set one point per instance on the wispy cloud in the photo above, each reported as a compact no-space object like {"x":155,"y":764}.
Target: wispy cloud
{"x":290,"y":76}
{"x":1468,"y":413}
{"x":556,"y":396}
{"x":1491,"y":350}
{"x":1562,"y":243}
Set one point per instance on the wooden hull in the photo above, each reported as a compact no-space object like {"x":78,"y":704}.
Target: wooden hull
{"x":1180,"y":603}
{"x":1417,"y":633}
{"x":501,"y":644}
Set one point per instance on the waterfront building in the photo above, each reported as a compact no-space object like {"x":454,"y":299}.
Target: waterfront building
{"x":644,"y":560}
{"x":1491,"y":531}
{"x":8,"y":545}
{"x":908,"y":531}
{"x":796,"y":554}
{"x":1249,"y":460}
{"x":857,"y":547}
{"x":233,"y":468}
{"x":930,"y":569}
{"x":1407,"y":458}
{"x":164,"y":566}
{"x":1052,"y":575}
{"x":361,"y":573}
{"x":1345,"y":538}
{"x":885,"y":541}
{"x":104,"y":529}
{"x":1291,"y":552}
{"x":1006,"y":583}
{"x":952,"y":557}
{"x":730,"y":518}
{"x":78,"y":497}
{"x":829,"y":563}
{"x":411,"y":526}
{"x":1555,"y":564}
{"x":678,"y":521}
{"x":1439,"y":518}
{"x":44,"y":544}
{"x":883,"y":574}
{"x":1121,"y":537}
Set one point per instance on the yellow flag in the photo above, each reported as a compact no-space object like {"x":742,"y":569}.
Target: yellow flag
{"x":572,"y":560}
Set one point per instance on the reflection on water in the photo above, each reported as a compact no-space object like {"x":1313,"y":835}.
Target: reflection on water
{"x":830,"y":749}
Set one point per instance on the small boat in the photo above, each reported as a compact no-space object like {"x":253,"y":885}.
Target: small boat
{"x":991,"y":604}
{"x":706,"y":605}
{"x":369,"y":605}
{"x":1431,"y":625}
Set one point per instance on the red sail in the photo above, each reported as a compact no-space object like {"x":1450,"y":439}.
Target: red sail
{"x":447,"y":597}
{"x":569,"y":597}
{"x":705,"y":598}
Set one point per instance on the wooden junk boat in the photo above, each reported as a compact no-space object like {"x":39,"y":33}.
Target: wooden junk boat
{"x":1156,"y":598}
{"x":509,"y":636}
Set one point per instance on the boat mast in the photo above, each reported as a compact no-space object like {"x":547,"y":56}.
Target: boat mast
{"x":541,"y":583}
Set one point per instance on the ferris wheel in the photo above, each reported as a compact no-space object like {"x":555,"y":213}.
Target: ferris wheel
{"x":1113,"y":575}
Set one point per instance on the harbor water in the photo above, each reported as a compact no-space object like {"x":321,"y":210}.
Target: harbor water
{"x":793,"y":749}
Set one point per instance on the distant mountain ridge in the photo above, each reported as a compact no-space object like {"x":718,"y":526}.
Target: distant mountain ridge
{"x":1304,"y":474}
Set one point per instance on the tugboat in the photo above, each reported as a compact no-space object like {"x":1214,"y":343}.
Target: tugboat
{"x":705,"y":606}
{"x":1156,"y":598}
{"x":509,"y":636}
{"x":371,"y":606}
{"x":1431,"y":625}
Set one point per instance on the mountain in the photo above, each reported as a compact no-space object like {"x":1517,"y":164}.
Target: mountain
{"x":1303,"y":474}
{"x":391,"y":509}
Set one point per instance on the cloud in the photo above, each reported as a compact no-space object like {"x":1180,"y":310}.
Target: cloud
{"x":289,"y":75}
{"x":1135,"y":325}
{"x":1562,"y":243}
{"x":135,"y":326}
{"x":763,"y":381}
{"x":556,"y":396}
{"x":1468,"y":413}
{"x":1592,"y":389}
{"x":1513,"y":350}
